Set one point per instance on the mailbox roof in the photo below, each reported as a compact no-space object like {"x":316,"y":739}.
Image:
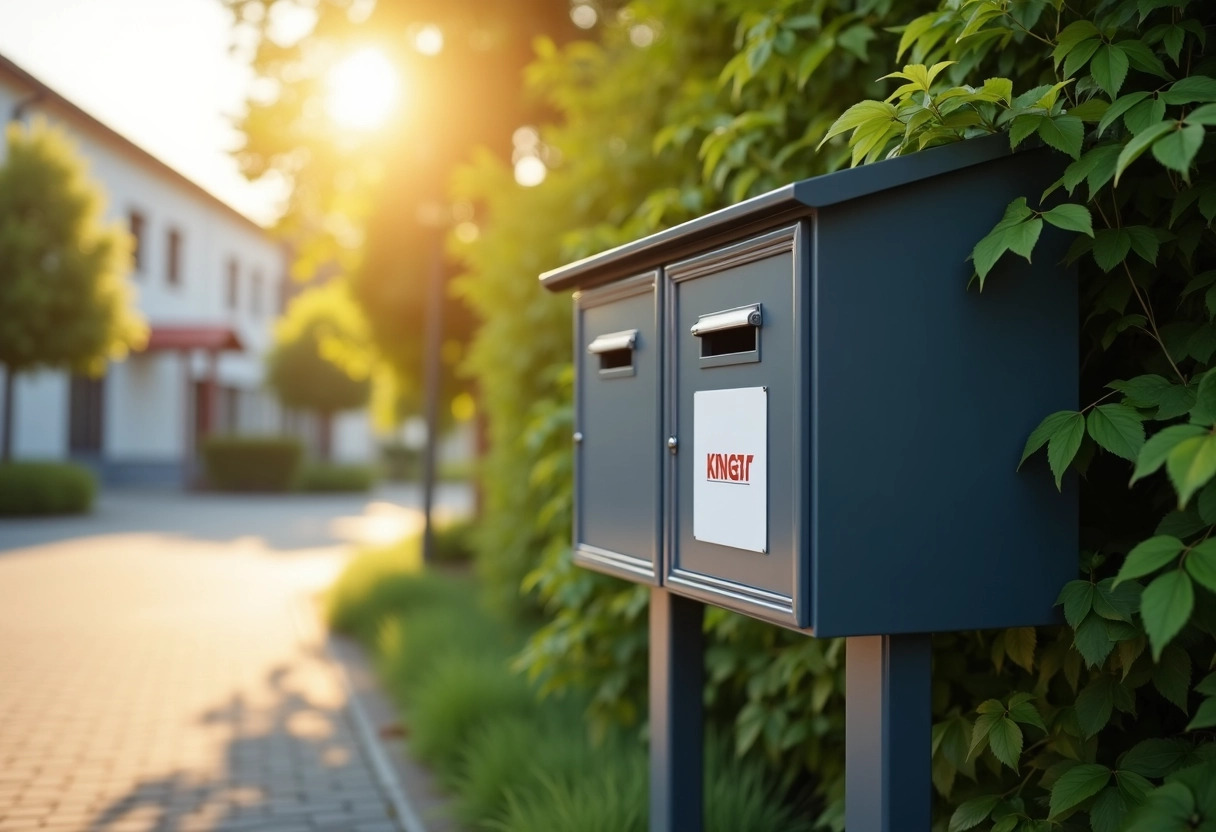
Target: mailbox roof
{"x":759,"y":213}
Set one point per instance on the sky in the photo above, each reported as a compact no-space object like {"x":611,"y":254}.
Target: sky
{"x":157,"y":71}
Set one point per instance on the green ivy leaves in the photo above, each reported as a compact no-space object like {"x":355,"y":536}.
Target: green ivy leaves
{"x":1165,"y":606}
{"x":1019,"y":230}
{"x":1076,"y":785}
{"x":997,"y":728}
{"x":1115,"y":427}
{"x":1149,"y":556}
{"x":1174,"y":142}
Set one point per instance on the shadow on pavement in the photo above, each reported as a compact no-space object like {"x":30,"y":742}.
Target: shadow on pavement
{"x":285,"y":759}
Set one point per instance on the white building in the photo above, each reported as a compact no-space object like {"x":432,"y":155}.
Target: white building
{"x":210,"y":283}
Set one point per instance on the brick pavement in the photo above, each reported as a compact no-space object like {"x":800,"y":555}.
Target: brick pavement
{"x":161,"y":682}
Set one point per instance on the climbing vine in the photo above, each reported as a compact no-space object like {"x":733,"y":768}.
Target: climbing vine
{"x":1105,"y":723}
{"x":1110,"y":723}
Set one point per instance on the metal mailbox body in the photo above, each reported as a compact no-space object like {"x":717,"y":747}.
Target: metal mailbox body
{"x":617,"y":462}
{"x":893,"y":402}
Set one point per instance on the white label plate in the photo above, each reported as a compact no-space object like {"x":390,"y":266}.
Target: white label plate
{"x":730,"y":467}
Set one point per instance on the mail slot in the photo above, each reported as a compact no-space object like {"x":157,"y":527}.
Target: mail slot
{"x":734,"y":531}
{"x":839,"y":416}
{"x":618,"y":459}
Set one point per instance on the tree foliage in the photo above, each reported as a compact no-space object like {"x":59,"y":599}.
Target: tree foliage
{"x":375,"y":203}
{"x":319,"y":359}
{"x":64,"y":298}
{"x":1103,"y":724}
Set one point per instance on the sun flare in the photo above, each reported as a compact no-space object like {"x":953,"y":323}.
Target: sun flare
{"x":362,"y":90}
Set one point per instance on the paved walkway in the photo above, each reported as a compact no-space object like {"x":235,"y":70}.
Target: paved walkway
{"x":161,"y":668}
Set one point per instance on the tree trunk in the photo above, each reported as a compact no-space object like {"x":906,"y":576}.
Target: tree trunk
{"x":326,"y":443}
{"x":10,"y":389}
{"x":481,"y":446}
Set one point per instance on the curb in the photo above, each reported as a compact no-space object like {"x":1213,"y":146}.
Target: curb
{"x":307,"y":627}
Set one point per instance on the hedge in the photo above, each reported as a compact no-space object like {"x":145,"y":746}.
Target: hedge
{"x":34,"y":488}
{"x":251,"y":463}
{"x":328,"y":476}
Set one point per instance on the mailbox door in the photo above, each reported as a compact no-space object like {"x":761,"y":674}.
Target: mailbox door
{"x":737,"y":350}
{"x":618,"y":458}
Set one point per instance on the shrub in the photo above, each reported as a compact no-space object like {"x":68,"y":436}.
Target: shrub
{"x":400,"y":463}
{"x":455,"y":542}
{"x":328,"y":476}
{"x":33,"y":488}
{"x":251,"y":463}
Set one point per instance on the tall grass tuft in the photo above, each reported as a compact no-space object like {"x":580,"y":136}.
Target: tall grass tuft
{"x":512,"y":762}
{"x":458,"y":695}
{"x":513,"y":754}
{"x":410,"y":645}
{"x":609,"y":796}
{"x":386,"y":582}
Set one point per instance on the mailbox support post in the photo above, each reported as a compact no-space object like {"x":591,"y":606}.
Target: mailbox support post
{"x":888,"y":727}
{"x":676,"y":723}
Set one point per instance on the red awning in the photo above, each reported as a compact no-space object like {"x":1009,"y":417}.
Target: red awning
{"x":217,"y":338}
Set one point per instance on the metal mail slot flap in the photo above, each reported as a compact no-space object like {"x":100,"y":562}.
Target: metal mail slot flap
{"x":730,"y":319}
{"x":613,"y":341}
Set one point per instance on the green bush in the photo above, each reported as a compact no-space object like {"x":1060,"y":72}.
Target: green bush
{"x":33,"y":488}
{"x":455,"y":542}
{"x":400,"y":463}
{"x":329,"y":476}
{"x":251,"y":463}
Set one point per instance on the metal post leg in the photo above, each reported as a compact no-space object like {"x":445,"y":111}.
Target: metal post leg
{"x":676,"y":743}
{"x":888,"y":722}
{"x":434,"y":371}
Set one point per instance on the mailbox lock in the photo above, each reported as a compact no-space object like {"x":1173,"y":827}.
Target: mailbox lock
{"x":578,"y":436}
{"x":672,"y":444}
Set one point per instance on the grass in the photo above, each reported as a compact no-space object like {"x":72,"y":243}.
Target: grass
{"x":512,"y":762}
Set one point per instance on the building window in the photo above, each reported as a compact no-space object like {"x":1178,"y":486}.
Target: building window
{"x":256,"y":305}
{"x":137,"y":240}
{"x":174,"y":266}
{"x":232,"y":295}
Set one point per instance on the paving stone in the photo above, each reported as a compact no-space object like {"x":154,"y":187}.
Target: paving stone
{"x":155,"y":681}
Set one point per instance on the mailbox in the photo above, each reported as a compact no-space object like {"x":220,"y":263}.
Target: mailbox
{"x":797,"y":409}
{"x":618,"y":469}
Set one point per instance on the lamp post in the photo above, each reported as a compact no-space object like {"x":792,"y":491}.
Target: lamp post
{"x":434,"y":216}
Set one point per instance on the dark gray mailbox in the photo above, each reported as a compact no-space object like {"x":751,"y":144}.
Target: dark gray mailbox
{"x":616,"y":522}
{"x":793,"y":408}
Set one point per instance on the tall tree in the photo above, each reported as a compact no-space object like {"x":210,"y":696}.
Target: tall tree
{"x":318,"y":362}
{"x":376,"y":201}
{"x":64,"y":298}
